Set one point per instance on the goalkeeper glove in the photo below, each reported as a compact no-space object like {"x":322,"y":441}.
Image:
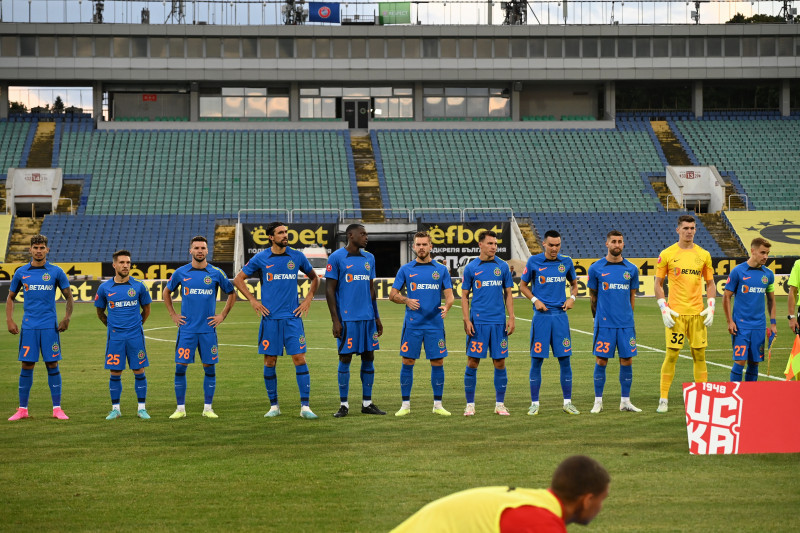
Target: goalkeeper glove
{"x":666,"y":313}
{"x":708,"y":312}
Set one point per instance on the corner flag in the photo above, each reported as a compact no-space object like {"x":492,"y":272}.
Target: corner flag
{"x":793,"y":366}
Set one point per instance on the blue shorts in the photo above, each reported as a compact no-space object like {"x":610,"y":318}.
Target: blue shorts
{"x":358,"y":336}
{"x":748,"y":345}
{"x":33,"y":341}
{"x":412,"y":340}
{"x":550,"y":330}
{"x":276,"y":334}
{"x":609,"y":340}
{"x":126,"y":346}
{"x":489,"y":339}
{"x":205,"y":343}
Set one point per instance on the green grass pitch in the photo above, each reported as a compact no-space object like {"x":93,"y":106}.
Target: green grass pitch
{"x":363,"y":473}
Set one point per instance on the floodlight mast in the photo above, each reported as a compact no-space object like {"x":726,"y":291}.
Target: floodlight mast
{"x":515,"y":12}
{"x":294,"y":12}
{"x":786,"y":12}
{"x":177,"y":12}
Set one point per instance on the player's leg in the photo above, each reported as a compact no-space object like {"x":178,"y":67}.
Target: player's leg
{"x":498,"y":348}
{"x":115,"y":391}
{"x":209,"y":354}
{"x":675,"y":336}
{"x":50,"y":344}
{"x":755,"y":354}
{"x":294,"y":339}
{"x":367,"y":344}
{"x":436,"y":351}
{"x":271,"y":384}
{"x":626,"y":345}
{"x":698,"y":338}
{"x":739,"y":342}
{"x":185,"y":346}
{"x":410,"y":348}
{"x":137,"y":360}
{"x":270,"y":345}
{"x":539,"y":342}
{"x":477,"y":348}
{"x":140,"y":383}
{"x":345,"y":348}
{"x":599,"y":381}
{"x":561,"y":344}
{"x":27,"y":357}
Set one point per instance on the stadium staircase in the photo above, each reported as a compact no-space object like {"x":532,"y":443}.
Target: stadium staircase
{"x":673,"y":151}
{"x":526,"y":227}
{"x":20,"y":243}
{"x":369,"y":192}
{"x":224,"y":240}
{"x":41,"y":155}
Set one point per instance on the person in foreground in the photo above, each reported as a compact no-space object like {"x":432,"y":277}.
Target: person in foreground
{"x":576,"y":494}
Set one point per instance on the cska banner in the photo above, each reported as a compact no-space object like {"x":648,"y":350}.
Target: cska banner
{"x":323,"y":12}
{"x":734,"y":418}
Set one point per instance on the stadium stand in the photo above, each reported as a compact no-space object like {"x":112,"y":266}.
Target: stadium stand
{"x":13,"y":136}
{"x":5,"y":232}
{"x":760,"y":149}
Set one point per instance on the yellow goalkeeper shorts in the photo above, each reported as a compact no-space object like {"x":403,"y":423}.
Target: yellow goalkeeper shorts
{"x":689,"y":327}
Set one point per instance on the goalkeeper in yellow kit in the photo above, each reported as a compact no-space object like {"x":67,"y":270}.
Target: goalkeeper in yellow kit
{"x":685,"y":265}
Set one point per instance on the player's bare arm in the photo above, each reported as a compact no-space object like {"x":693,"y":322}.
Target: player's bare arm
{"x":179,"y":320}
{"x":659,"y":288}
{"x":330,"y":296}
{"x":240,"y":282}
{"x":469,"y":328}
{"x":448,"y":302}
{"x":145,"y":313}
{"x":527,"y":293}
{"x":773,"y":310}
{"x":593,"y":301}
{"x":305,"y":305}
{"x":218,"y":319}
{"x":726,"y":307}
{"x":378,"y":323}
{"x":12,"y":326}
{"x":64,"y":324}
{"x":396,"y":297}
{"x":793,"y":326}
{"x":511,"y":322}
{"x":573,"y":295}
{"x":101,"y":314}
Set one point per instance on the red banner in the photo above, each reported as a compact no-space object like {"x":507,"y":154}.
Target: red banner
{"x":748,"y":417}
{"x":149,"y":98}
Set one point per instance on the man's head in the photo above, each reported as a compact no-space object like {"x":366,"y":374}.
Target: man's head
{"x":122,"y":263}
{"x":278,"y":233}
{"x":759,"y":250}
{"x":487,"y":242}
{"x":357,"y":235}
{"x":198,"y":248}
{"x":552,"y":244}
{"x":39,"y":247}
{"x":422,"y":245}
{"x":686,"y":228}
{"x":581,"y":483}
{"x":615,"y":242}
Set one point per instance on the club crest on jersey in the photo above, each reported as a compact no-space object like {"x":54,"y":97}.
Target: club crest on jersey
{"x":632,"y":342}
{"x":367,"y":267}
{"x":435,"y":275}
{"x":302,"y":339}
{"x":504,"y":344}
{"x":565,"y":343}
{"x":764,"y":279}
{"x":141,"y":355}
{"x":214,"y":350}
{"x":562,"y":268}
{"x":45,"y":277}
{"x":626,"y":275}
{"x":131,"y":292}
{"x":54,"y":347}
{"x":290,"y":265}
{"x":497,"y":271}
{"x":375,"y":336}
{"x":207,"y":280}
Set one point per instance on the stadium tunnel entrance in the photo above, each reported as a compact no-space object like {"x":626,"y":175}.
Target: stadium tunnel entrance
{"x":387,"y":253}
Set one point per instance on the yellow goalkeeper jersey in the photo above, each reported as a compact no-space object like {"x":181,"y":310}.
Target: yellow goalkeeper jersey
{"x":685,"y":271}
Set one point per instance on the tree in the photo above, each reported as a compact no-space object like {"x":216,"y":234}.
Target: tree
{"x":58,"y":105}
{"x":738,"y":18}
{"x":17,"y":107}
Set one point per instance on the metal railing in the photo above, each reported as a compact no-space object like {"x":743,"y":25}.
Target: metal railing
{"x":259,"y":210}
{"x":746,"y":201}
{"x":416,"y":210}
{"x":71,"y":205}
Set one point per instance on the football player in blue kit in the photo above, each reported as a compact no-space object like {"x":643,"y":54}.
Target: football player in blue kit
{"x":40,"y":326}
{"x":488,"y":279}
{"x":425,"y":281}
{"x":281,"y":312}
{"x":198,"y":321}
{"x":128,"y":303}
{"x":613,"y":282}
{"x":354,"y":312}
{"x":547,"y":273}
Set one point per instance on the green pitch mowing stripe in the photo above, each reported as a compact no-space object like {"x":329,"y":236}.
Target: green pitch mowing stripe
{"x":361,"y":473}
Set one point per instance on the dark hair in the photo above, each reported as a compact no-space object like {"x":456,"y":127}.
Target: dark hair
{"x":614,"y":233}
{"x":579,"y":475}
{"x":353,"y":227}
{"x":272,"y":226}
{"x":39,"y":239}
{"x":685,"y":218}
{"x":552,"y":233}
{"x":119,"y":253}
{"x":198,"y":238}
{"x":487,"y":233}
{"x":422,"y":235}
{"x":760,"y":241}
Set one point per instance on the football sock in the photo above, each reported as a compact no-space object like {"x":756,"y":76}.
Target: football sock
{"x":367,"y":379}
{"x":180,"y":384}
{"x":54,"y":380}
{"x":209,"y":384}
{"x":500,"y":384}
{"x":668,"y":371}
{"x":751,"y":374}
{"x":470,"y":380}
{"x":599,"y":380}
{"x":25,"y":383}
{"x":536,"y":377}
{"x":437,"y":382}
{"x":625,"y":380}
{"x":566,"y":377}
{"x":344,"y":381}
{"x":407,"y":381}
{"x":271,"y":383}
{"x":699,"y":366}
{"x":303,"y":383}
{"x":736,"y":372}
{"x":115,"y":388}
{"x":141,"y":388}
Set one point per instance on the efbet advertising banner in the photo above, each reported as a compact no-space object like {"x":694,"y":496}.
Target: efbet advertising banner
{"x":781,"y":228}
{"x":394,"y":13}
{"x":300,"y":236}
{"x":323,"y":12}
{"x":734,"y":418}
{"x":456,"y":244}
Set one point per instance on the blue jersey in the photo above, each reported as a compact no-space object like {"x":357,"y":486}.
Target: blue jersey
{"x":749,"y":286}
{"x":424,"y":282}
{"x":39,"y":284}
{"x":199,"y":294}
{"x":613,"y":283}
{"x":550,"y":278}
{"x":354,"y":274}
{"x":123,"y":301}
{"x":487,"y":280}
{"x":279,"y":279}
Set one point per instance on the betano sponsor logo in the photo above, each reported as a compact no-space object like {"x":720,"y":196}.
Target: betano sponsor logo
{"x":202,"y":292}
{"x":356,"y":277}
